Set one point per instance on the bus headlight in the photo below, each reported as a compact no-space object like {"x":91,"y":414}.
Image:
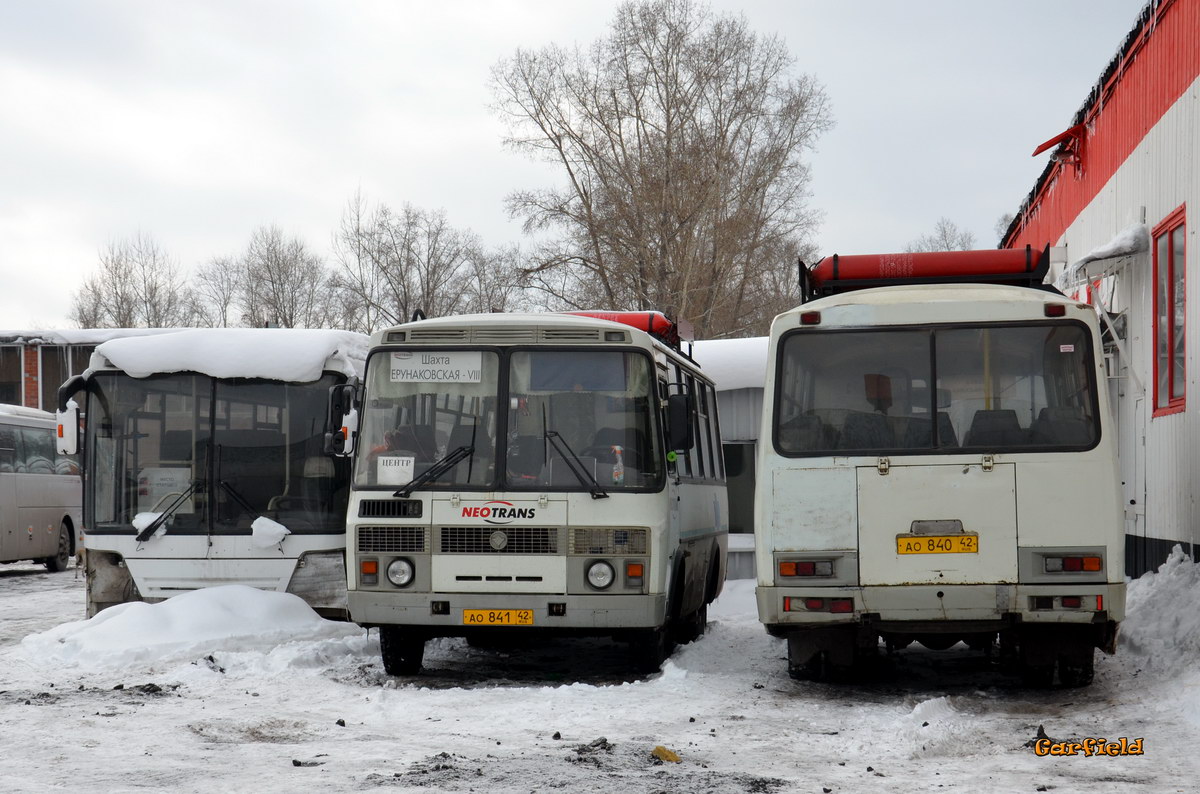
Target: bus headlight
{"x":600,"y":575}
{"x":400,"y":572}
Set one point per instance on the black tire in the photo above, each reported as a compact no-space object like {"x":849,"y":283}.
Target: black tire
{"x":651,"y":648}
{"x":1077,"y":670}
{"x":402,"y":652}
{"x":691,"y":627}
{"x":1037,"y":676}
{"x":62,"y":558}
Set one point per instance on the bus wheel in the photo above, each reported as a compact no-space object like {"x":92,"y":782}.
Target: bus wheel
{"x":1077,"y":669}
{"x":402,"y":652}
{"x":691,"y":628}
{"x":59,"y":561}
{"x":1037,"y":676}
{"x":651,"y":648}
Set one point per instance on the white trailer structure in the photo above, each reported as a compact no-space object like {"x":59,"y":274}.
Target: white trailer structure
{"x":1114,"y":202}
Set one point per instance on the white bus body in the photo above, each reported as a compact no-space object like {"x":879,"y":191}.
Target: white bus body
{"x":40,"y":491}
{"x":215,"y":431}
{"x":938,"y":463}
{"x":568,"y":515}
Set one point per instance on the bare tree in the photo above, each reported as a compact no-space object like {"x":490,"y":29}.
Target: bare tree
{"x":216,"y":287}
{"x":1001,"y":227}
{"x":946,"y":236}
{"x":137,"y":285}
{"x":680,"y":136}
{"x":393,"y":263}
{"x":285,"y":283}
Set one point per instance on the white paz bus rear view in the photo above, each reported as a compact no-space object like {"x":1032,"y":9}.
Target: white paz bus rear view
{"x":939,"y":465}
{"x":533,"y":474}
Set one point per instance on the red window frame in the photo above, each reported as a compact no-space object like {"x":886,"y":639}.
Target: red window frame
{"x":1176,"y":280}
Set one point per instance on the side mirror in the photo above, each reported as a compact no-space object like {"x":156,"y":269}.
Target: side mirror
{"x":341,"y":426}
{"x":680,"y":436}
{"x":67,"y":441}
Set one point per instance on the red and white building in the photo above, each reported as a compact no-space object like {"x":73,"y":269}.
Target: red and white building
{"x":1114,"y":203}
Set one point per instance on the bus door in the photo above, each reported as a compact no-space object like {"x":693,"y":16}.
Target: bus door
{"x":10,"y":462}
{"x":937,"y":524}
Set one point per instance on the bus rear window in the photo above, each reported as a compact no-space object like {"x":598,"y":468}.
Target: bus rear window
{"x":997,"y":388}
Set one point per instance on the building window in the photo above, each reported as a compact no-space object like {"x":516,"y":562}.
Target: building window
{"x":59,"y":364}
{"x":10,"y":375}
{"x":1170,"y":303}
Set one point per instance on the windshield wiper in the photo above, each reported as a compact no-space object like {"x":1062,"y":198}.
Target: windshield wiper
{"x":241,"y":500}
{"x":440,"y":467}
{"x":574,"y":463}
{"x":149,"y":531}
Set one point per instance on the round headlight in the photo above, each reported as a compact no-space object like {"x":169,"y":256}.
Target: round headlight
{"x":600,"y":575}
{"x":400,"y":573}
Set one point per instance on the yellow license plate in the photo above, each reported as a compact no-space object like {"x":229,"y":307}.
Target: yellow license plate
{"x":937,"y":544}
{"x":497,"y":617}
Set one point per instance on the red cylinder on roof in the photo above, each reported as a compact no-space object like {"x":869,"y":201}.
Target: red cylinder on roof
{"x":836,"y":273}
{"x":654,"y":323}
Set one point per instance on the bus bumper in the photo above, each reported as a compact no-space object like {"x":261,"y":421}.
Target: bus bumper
{"x":934,"y":605}
{"x":442,"y":614}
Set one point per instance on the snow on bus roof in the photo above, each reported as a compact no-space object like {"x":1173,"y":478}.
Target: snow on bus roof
{"x":286,"y":354}
{"x":733,"y":363}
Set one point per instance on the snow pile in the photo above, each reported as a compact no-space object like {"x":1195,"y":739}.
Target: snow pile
{"x":228,"y":618}
{"x":267,"y":533}
{"x":1162,"y":616}
{"x":284,"y":354}
{"x":733,"y":363}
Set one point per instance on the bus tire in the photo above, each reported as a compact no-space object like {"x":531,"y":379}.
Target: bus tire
{"x":651,"y":648}
{"x":691,"y":628}
{"x":402,"y":652}
{"x":63,"y":556}
{"x":1077,"y":668}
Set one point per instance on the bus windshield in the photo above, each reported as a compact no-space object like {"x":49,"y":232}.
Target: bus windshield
{"x":1007,"y":387}
{"x":599,"y":404}
{"x":421,"y":407}
{"x":228,"y":451}
{"x":571,"y":417}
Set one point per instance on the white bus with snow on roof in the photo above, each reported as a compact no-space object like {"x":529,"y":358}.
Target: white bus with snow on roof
{"x":938,"y":463}
{"x":204,"y":464}
{"x":533,"y":473}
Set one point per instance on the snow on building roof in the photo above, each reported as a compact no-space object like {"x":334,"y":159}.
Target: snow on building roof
{"x":284,"y":354}
{"x":733,"y":363}
{"x":76,"y":336}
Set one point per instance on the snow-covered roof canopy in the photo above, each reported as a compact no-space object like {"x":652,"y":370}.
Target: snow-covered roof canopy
{"x":733,"y":363}
{"x":76,"y":336}
{"x":1130,"y":241}
{"x":284,"y":354}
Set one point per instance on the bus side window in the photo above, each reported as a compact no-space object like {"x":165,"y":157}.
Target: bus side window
{"x":39,"y":450}
{"x":718,"y":457}
{"x":9,"y":449}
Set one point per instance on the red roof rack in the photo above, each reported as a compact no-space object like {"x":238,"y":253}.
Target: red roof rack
{"x":654,"y":323}
{"x":836,"y":274}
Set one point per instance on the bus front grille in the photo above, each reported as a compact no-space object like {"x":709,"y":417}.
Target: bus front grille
{"x":389,"y":508}
{"x":410,"y":540}
{"x":499,"y":540}
{"x":603,"y":540}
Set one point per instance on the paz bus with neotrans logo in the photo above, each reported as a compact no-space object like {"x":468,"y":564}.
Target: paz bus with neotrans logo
{"x":204,"y":464}
{"x":938,"y":464}
{"x":532,"y":474}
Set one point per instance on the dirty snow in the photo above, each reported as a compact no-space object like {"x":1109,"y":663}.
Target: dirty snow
{"x":238,"y":690}
{"x":285,"y":354}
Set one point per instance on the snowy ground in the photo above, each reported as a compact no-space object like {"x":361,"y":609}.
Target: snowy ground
{"x":233,"y":690}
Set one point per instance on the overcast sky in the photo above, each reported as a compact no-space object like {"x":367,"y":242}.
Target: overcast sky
{"x":198,"y":122}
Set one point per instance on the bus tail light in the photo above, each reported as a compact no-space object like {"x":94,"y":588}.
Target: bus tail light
{"x":841,"y":605}
{"x":1073,"y":564}
{"x":810,"y":318}
{"x":813,"y":604}
{"x":1056,"y":310}
{"x":1072,"y":602}
{"x":806,"y":568}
